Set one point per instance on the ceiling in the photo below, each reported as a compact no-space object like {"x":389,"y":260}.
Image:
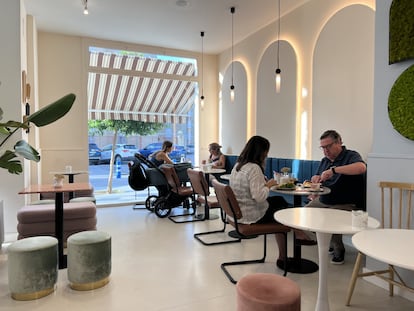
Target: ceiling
{"x":172,"y":24}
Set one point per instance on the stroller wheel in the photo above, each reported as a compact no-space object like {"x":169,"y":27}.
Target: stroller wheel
{"x":161,"y":208}
{"x":150,"y":202}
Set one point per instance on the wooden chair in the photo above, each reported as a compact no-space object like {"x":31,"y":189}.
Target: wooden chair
{"x":184,"y":191}
{"x":229,"y":204}
{"x":396,"y":204}
{"x":202,"y":192}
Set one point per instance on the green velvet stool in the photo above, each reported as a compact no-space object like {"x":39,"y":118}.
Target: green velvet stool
{"x":89,"y":259}
{"x":33,"y":267}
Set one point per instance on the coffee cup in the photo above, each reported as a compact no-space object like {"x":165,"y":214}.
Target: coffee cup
{"x":359,"y":219}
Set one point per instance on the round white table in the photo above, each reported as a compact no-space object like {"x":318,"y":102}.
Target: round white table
{"x":386,"y":245}
{"x":325,"y":222}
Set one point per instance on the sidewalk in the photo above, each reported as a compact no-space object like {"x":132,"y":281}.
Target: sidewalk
{"x":121,"y":196}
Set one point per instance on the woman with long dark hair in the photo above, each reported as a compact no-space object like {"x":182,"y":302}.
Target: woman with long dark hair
{"x":251,"y":188}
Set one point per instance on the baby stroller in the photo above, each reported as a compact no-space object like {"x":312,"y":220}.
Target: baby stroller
{"x":168,"y":197}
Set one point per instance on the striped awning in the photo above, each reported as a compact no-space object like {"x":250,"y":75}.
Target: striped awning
{"x":126,"y":85}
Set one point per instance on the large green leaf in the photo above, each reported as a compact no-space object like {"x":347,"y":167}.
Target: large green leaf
{"x":14,"y":124}
{"x":52,"y":112}
{"x":23,"y":149}
{"x":8,"y":161}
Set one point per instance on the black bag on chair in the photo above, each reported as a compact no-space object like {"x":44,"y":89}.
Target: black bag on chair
{"x":137,"y":179}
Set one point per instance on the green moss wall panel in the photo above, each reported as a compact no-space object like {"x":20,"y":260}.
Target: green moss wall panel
{"x":401,"y":38}
{"x":401,"y":104}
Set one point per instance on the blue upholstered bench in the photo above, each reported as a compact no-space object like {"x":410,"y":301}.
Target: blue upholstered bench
{"x":301,"y":169}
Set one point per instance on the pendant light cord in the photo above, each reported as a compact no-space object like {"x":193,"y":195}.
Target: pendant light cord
{"x":278,"y":34}
{"x":232,"y":10}
{"x":202,"y":64}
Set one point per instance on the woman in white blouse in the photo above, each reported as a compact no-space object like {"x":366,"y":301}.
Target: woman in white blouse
{"x":251,"y":188}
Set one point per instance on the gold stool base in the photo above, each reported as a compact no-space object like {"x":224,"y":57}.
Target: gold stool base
{"x":32,"y":296}
{"x":89,"y":286}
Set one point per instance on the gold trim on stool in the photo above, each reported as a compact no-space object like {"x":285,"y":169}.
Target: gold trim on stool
{"x":33,"y":296}
{"x":89,"y":286}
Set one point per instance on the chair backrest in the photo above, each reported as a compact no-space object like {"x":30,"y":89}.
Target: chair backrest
{"x":396,"y":200}
{"x":172,"y":177}
{"x":227,"y":200}
{"x":198,"y":182}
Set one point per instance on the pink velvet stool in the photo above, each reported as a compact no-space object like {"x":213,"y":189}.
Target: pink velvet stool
{"x":267,"y":292}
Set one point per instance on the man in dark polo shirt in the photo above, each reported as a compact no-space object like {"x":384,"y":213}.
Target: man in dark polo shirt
{"x":344,"y":172}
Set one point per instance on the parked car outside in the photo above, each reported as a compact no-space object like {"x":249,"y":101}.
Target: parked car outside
{"x":177,"y":152}
{"x":94,"y":154}
{"x":151,"y":148}
{"x":174,"y":155}
{"x":123,"y":152}
{"x":190,"y":149}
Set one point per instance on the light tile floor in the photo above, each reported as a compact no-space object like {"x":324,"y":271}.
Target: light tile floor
{"x":157,"y":265}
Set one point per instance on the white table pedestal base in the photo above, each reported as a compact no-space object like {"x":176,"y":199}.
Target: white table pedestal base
{"x":322,"y":303}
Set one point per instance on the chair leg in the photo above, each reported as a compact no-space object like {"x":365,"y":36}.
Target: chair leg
{"x":391,"y":276}
{"x":198,"y":235}
{"x":252,"y":261}
{"x":193,"y":217}
{"x":355,"y":274}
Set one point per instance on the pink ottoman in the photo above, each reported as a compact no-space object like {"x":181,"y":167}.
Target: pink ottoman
{"x":267,"y":292}
{"x":35,"y":220}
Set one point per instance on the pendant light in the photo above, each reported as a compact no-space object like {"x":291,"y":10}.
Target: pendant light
{"x":232,"y":11}
{"x":278,"y":77}
{"x":85,"y":7}
{"x":202,"y":71}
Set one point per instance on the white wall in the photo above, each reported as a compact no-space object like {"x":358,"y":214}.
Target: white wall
{"x":301,"y":29}
{"x":233,"y":124}
{"x":276,"y":112}
{"x":12,"y":34}
{"x":343,"y":79}
{"x":392,"y":157}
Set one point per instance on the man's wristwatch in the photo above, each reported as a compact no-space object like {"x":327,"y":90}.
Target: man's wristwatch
{"x":333,"y":169}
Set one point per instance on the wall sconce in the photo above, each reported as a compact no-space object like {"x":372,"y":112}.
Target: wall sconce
{"x":85,"y":7}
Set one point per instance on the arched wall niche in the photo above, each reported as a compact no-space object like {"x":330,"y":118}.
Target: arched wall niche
{"x":343,"y":100}
{"x":233,"y":115}
{"x":276,"y":112}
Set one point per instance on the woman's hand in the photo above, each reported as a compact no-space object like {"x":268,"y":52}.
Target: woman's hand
{"x":270,"y":183}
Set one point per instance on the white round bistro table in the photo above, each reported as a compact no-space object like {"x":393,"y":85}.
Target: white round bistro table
{"x":325,"y":222}
{"x":385,"y":245}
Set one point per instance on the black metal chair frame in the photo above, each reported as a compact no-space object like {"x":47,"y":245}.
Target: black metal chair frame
{"x":175,"y":184}
{"x":201,"y":189}
{"x":229,"y":204}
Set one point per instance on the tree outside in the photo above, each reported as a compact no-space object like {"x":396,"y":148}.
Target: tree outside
{"x":124,"y":127}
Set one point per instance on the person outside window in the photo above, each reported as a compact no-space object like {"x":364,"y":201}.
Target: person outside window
{"x":161,"y":156}
{"x":252,"y":188}
{"x":344,"y":172}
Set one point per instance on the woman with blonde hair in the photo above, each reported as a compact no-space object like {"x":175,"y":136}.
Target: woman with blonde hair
{"x":216,"y":157}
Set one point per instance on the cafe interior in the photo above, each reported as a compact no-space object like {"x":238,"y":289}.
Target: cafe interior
{"x":336,"y":73}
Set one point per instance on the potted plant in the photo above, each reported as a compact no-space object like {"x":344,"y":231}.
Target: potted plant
{"x":9,"y":158}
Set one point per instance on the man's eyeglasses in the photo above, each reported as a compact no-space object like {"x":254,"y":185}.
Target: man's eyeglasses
{"x":326,"y":147}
